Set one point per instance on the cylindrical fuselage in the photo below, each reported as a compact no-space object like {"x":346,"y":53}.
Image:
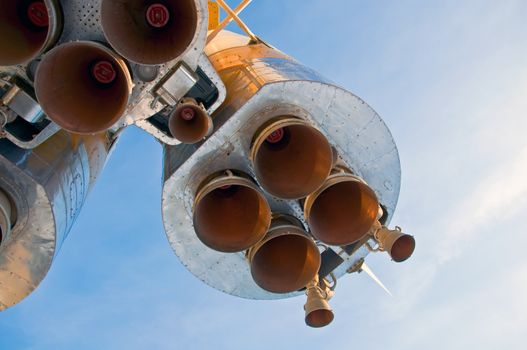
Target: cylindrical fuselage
{"x":47,"y":187}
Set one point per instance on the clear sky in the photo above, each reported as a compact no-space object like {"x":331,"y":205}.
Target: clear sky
{"x":450,"y":80}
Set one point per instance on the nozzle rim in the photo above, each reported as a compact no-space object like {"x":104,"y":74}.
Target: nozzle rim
{"x":400,"y":260}
{"x":226,"y":177}
{"x":268,"y":128}
{"x":321,"y":325}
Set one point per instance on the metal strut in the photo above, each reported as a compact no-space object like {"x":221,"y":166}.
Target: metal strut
{"x":232,"y":15}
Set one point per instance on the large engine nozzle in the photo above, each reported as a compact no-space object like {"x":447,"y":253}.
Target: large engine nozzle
{"x":230,"y":213}
{"x":190,"y":123}
{"x":342,"y":211}
{"x":287,"y":259}
{"x":83,"y":87}
{"x":291,"y":158}
{"x":5,"y":216}
{"x":318,"y":311}
{"x":27,"y":29}
{"x":149,"y":31}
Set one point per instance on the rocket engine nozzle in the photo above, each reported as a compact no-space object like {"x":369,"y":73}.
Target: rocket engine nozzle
{"x":5,"y":216}
{"x":83,"y":87}
{"x":286,"y":259}
{"x":318,"y":311}
{"x":291,"y":158}
{"x":149,"y":31}
{"x":190,"y":123}
{"x":342,"y":211}
{"x":28,"y":28}
{"x":399,"y":245}
{"x":230,"y":213}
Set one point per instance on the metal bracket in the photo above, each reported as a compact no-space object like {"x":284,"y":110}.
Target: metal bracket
{"x":176,"y":85}
{"x":38,"y":139}
{"x":232,"y":15}
{"x":16,"y":102}
{"x":20,"y":102}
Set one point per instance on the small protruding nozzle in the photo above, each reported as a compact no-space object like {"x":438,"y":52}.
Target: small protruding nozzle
{"x":343,"y":210}
{"x":190,"y":123}
{"x":318,"y":311}
{"x":230,"y":213}
{"x":399,"y":245}
{"x":83,"y":87}
{"x":5,"y":216}
{"x":27,"y":29}
{"x":291,"y":158}
{"x":286,"y":259}
{"x":149,"y":31}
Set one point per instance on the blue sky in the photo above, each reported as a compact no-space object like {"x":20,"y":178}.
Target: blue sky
{"x":450,"y":80}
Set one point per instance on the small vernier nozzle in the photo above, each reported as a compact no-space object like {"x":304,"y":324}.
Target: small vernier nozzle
{"x":190,"y":122}
{"x":318,"y":311}
{"x":399,"y":245}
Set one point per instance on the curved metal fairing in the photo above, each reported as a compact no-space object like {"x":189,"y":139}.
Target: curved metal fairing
{"x":47,"y":187}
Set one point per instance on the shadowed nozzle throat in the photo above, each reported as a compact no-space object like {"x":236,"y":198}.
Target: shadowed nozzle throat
{"x":291,"y":158}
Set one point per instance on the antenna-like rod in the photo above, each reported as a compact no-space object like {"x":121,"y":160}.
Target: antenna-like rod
{"x":370,"y":273}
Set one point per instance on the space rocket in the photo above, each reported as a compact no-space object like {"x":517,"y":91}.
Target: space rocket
{"x":276,"y":181}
